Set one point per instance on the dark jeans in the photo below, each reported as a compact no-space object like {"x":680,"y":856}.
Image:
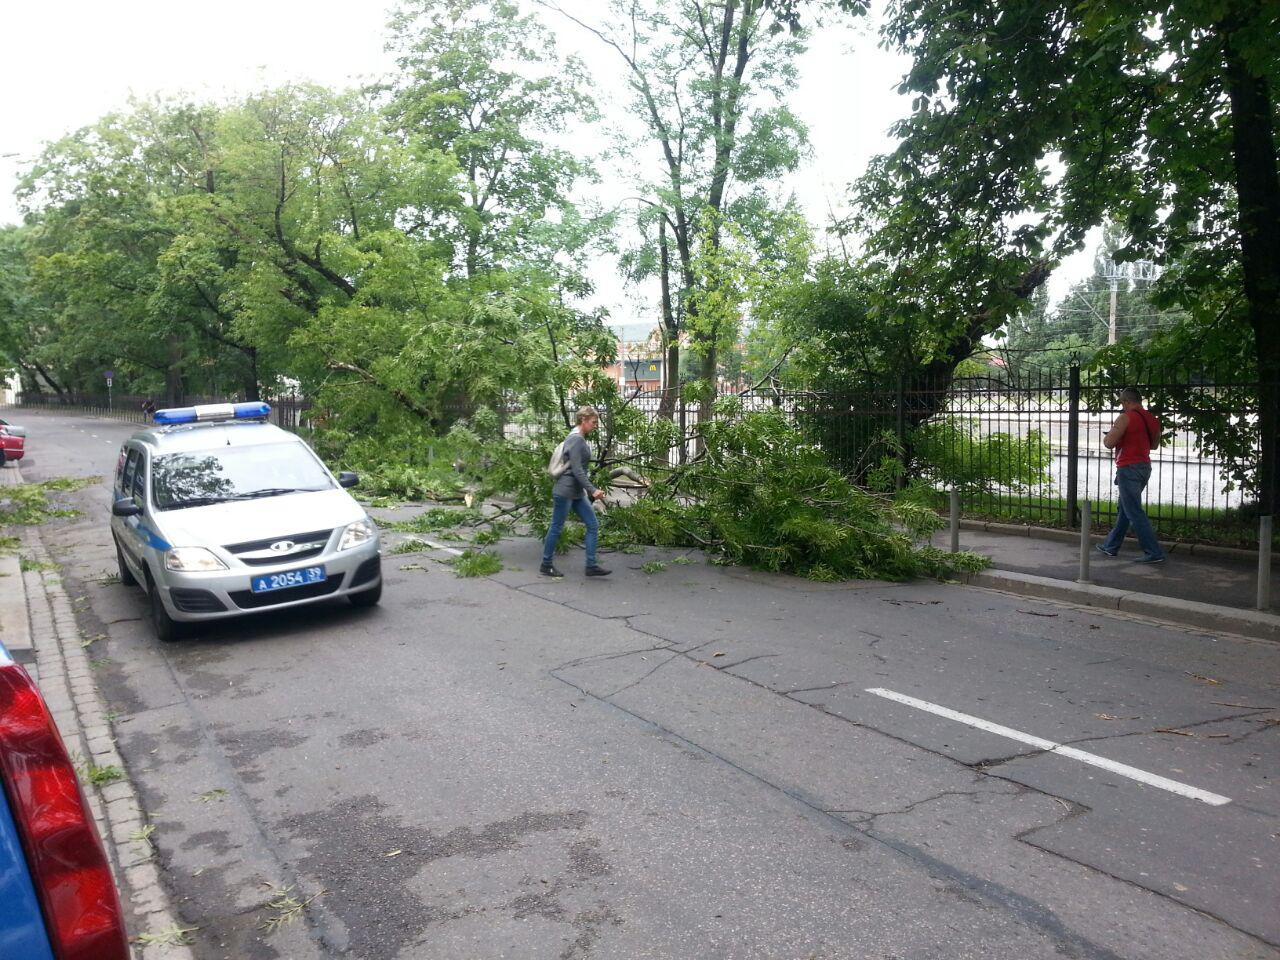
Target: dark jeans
{"x":1131,"y":480}
{"x":560,"y":513}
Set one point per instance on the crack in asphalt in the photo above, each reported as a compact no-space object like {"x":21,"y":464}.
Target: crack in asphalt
{"x":869,"y":817}
{"x":1262,"y":728}
{"x":824,"y":686}
{"x":649,"y":673}
{"x":737,"y":663}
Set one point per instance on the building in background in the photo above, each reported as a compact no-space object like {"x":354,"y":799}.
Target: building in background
{"x":10,"y":387}
{"x":641,"y":363}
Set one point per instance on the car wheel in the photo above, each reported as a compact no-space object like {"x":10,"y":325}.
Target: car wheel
{"x":167,"y":629}
{"x":126,"y":575}
{"x":366,"y":598}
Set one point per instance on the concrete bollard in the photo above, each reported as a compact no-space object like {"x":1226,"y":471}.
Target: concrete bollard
{"x":1264,"y":563}
{"x":955,"y":521}
{"x":1085,"y":546}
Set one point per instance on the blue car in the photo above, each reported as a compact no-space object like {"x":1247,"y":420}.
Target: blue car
{"x":58,"y":900}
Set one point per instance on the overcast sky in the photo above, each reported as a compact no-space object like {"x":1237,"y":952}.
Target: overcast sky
{"x":63,"y":63}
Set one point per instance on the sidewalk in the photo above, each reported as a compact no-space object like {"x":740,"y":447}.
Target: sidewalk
{"x":1192,"y":588}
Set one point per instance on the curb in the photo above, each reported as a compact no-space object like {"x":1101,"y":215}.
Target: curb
{"x":64,"y":675}
{"x":1248,"y":623}
{"x":15,"y":631}
{"x":1073,"y":536}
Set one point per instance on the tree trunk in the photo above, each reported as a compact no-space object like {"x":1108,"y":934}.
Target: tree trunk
{"x":173,"y":372}
{"x":48,"y":378}
{"x":252,"y":391}
{"x":1257,"y":183}
{"x":670,"y":332}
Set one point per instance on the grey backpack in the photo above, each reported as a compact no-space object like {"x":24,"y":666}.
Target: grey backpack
{"x":558,"y":465}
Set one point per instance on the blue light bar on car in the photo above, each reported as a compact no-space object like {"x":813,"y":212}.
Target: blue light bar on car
{"x":204,"y":413}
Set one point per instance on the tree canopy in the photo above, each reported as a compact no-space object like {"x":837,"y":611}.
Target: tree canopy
{"x":1033,"y":122}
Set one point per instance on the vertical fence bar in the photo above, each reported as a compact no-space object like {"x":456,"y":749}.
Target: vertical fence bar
{"x":1086,"y":518}
{"x":1073,"y":444}
{"x":684,"y":437}
{"x":955,"y":520}
{"x":1264,"y":563}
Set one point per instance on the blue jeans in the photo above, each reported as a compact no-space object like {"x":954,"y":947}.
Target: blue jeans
{"x":560,"y":513}
{"x":1131,"y":480}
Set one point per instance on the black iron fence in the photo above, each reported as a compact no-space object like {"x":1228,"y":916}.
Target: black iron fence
{"x":1022,"y":449}
{"x":1029,"y":449}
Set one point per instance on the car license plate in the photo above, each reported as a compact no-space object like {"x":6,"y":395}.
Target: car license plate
{"x":290,"y":578}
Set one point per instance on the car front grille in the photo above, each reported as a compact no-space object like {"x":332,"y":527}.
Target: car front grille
{"x":258,"y":553}
{"x":248,"y":600}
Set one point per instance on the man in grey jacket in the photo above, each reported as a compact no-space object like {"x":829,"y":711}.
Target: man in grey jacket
{"x":571,"y":490}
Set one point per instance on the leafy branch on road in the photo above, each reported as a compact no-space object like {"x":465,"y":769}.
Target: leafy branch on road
{"x":758,"y":493}
{"x":288,"y":908}
{"x":174,"y":936}
{"x":476,"y":563}
{"x":30,"y":504}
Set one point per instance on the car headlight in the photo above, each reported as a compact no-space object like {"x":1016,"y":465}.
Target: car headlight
{"x":356,"y":533}
{"x":192,"y":560}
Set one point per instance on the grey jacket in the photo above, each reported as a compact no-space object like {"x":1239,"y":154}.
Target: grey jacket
{"x":574,"y":482}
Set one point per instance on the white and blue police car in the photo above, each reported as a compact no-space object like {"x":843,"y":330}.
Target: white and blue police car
{"x":218,"y":513}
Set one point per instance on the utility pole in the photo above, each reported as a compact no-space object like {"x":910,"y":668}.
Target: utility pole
{"x":1111,"y":315}
{"x":1115,"y":272}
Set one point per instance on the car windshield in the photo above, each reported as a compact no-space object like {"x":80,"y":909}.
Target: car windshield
{"x":202,"y":477}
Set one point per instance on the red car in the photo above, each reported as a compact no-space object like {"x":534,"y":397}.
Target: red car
{"x":13,"y":442}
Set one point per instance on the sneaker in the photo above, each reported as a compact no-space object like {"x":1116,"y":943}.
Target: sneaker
{"x":1149,"y":560}
{"x":547,"y":570}
{"x":598,"y":571}
{"x":1101,"y":549}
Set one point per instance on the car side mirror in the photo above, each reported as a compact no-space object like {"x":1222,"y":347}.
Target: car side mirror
{"x":125,"y":507}
{"x":347,"y":479}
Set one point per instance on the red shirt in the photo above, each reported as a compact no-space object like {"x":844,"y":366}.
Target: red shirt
{"x":1135,"y":445}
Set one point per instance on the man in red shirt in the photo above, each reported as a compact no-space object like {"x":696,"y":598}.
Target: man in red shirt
{"x":1132,"y":436}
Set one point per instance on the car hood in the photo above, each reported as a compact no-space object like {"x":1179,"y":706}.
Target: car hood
{"x":246,"y":520}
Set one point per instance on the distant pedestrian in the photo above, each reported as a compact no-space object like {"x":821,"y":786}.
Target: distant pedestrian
{"x":572,"y":489}
{"x":1133,"y":436}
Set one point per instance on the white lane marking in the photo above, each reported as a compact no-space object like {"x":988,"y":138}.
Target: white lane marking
{"x":1123,"y":769}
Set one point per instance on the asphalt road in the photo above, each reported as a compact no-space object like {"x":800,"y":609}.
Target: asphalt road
{"x":688,"y":764}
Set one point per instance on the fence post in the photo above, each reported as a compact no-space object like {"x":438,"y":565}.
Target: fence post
{"x":955,"y":520}
{"x":1264,"y":563}
{"x":900,"y":431}
{"x":1073,"y":445}
{"x":1085,"y":524}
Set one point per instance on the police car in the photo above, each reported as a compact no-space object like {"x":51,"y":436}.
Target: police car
{"x":217,"y":513}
